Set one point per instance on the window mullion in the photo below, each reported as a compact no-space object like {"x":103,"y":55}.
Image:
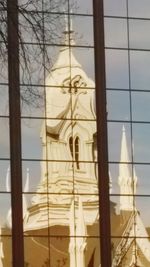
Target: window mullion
{"x":102,"y":147}
{"x":15,"y":134}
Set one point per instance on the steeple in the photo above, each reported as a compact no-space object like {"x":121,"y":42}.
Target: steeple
{"x":124,"y":156}
{"x":68,"y":31}
{"x":127,"y":179}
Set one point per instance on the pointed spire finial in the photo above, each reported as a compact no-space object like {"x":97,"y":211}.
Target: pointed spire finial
{"x":124,"y":157}
{"x":123,"y":129}
{"x":68,"y":30}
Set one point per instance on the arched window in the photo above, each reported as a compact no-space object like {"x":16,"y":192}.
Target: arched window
{"x":74,"y":150}
{"x":77,"y":152}
{"x":71,"y":145}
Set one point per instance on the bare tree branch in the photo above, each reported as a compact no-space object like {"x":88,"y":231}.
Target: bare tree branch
{"x":40,"y":27}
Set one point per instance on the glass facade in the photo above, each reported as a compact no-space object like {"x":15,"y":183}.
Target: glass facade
{"x":127,"y":87}
{"x":74,"y":142}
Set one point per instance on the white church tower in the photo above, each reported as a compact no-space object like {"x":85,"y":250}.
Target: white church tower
{"x":70,"y":123}
{"x":68,"y":169}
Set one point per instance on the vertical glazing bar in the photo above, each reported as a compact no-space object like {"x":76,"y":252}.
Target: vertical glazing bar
{"x":15,"y":133}
{"x":104,"y":203}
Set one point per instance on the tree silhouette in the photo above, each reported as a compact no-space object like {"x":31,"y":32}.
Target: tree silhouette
{"x":40,"y":27}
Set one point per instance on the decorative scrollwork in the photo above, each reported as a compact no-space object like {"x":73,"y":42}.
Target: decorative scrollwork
{"x":72,"y":85}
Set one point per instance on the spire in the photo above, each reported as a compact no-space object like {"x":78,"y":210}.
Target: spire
{"x":68,"y":30}
{"x":127,"y":179}
{"x":124,"y":156}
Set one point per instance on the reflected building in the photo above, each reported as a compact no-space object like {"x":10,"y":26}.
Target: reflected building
{"x":61,"y":225}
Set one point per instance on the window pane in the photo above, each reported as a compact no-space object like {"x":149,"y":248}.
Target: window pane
{"x":139,"y":9}
{"x":141,"y":134}
{"x":4,"y":107}
{"x":116,"y":32}
{"x":118,"y":105}
{"x":117,"y":73}
{"x":139,"y":34}
{"x":140,"y":63}
{"x":115,"y":8}
{"x":140,"y":106}
{"x":4,"y":138}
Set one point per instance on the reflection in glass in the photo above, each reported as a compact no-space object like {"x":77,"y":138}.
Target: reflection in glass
{"x":117,"y":173}
{"x":118,"y":105}
{"x":142,"y":172}
{"x":125,"y":250}
{"x":80,"y":25}
{"x":117,"y":73}
{"x":6,"y":247}
{"x":142,"y":204}
{"x":140,"y":106}
{"x":36,"y":108}
{"x":140,"y":64}
{"x":35,"y":213}
{"x":32,"y":63}
{"x":115,"y":8}
{"x":4,"y":107}
{"x":36,"y":250}
{"x":4,"y":176}
{"x":139,"y":34}
{"x":4,"y":138}
{"x":119,"y":140}
{"x":31,"y":138}
{"x":139,"y":9}
{"x":84,"y":56}
{"x":64,"y":205}
{"x":5,"y":211}
{"x":116,"y":33}
{"x":141,"y":133}
{"x":78,"y":6}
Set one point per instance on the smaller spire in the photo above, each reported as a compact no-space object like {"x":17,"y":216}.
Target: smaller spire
{"x":127,"y":180}
{"x":124,"y":157}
